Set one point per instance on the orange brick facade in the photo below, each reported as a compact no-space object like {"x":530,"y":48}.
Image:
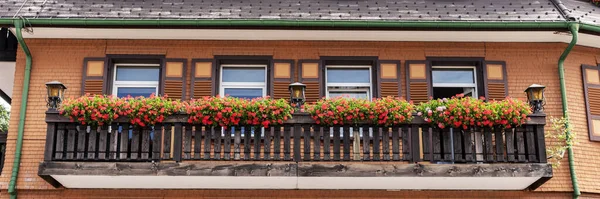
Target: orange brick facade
{"x":527,"y":63}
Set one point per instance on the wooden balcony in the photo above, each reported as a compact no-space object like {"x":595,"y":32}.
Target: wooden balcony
{"x":296,"y":155}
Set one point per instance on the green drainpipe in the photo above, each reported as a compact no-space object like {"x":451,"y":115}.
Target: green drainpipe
{"x":574,"y":28}
{"x":24,"y":94}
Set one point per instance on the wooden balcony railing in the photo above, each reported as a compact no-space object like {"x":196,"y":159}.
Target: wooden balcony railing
{"x":298,"y":139}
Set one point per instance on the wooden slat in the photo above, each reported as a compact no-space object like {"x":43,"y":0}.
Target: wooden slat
{"x":594,"y":100}
{"x":207,"y":134}
{"x":197,"y":142}
{"x":145,"y":145}
{"x":187,"y":142}
{"x":396,"y":143}
{"x":93,"y":87}
{"x":174,"y":89}
{"x":92,"y":138}
{"x":496,"y":91}
{"x":257,"y":142}
{"x":247,"y":134}
{"x":376,"y":145}
{"x":81,"y":134}
{"x":436,"y":140}
{"x":458,"y":146}
{"x":102,"y":140}
{"x":346,"y":133}
{"x":520,"y":144}
{"x":510,"y":144}
{"x":217,"y":144}
{"x":268,"y":137}
{"x":124,"y":142}
{"x":135,"y":143}
{"x":385,"y":141}
{"x":307,"y":136}
{"x":366,"y":142}
{"x":286,"y":143}
{"x":277,"y":143}
{"x":446,"y":149}
{"x":167,"y":137}
{"x":488,"y":146}
{"x":468,"y":141}
{"x":237,"y":140}
{"x":156,"y":142}
{"x":317,"y":142}
{"x":281,"y":90}
{"x":499,"y":145}
{"x":427,"y":153}
{"x":227,"y":144}
{"x":530,"y":143}
{"x":71,"y":135}
{"x":336,"y":143}
{"x":202,"y":88}
{"x":389,"y":89}
{"x":418,"y":92}
{"x":60,"y":141}
{"x":312,"y":91}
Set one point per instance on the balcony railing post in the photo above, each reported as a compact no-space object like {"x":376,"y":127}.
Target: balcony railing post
{"x":177,"y":145}
{"x":297,"y":134}
{"x":415,"y":148}
{"x":540,"y":143}
{"x":50,"y":134}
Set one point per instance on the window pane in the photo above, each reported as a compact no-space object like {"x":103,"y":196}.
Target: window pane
{"x":348,"y":75}
{"x":137,"y":73}
{"x":454,"y":75}
{"x":243,"y":74}
{"x":349,"y":94}
{"x":135,"y":91}
{"x":449,"y":92}
{"x":246,"y":93}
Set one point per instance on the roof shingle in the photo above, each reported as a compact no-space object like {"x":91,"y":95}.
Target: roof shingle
{"x":400,"y":10}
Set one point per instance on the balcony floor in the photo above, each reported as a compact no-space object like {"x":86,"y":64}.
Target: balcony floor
{"x":292,"y":175}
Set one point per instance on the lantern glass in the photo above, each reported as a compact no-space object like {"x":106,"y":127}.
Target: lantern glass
{"x":55,"y":93}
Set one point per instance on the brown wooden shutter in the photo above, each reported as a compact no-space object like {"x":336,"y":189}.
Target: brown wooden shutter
{"x":310,"y":73}
{"x":173,"y":75}
{"x":388,"y":76}
{"x":418,"y":78}
{"x":203,"y":76}
{"x":282,"y":75}
{"x":494,"y":80}
{"x":95,"y":76}
{"x":591,"y":84}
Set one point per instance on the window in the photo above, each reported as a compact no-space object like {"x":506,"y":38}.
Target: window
{"x":448,"y":81}
{"x":243,"y":81}
{"x":348,"y":81}
{"x":136,"y":80}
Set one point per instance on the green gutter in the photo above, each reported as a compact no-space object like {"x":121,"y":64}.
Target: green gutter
{"x":589,"y":27}
{"x":24,"y":95}
{"x":291,"y":23}
{"x":574,"y":28}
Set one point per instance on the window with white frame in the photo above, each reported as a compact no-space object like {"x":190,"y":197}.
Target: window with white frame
{"x":243,"y":81}
{"x":348,"y":81}
{"x":449,"y":81}
{"x":136,"y":80}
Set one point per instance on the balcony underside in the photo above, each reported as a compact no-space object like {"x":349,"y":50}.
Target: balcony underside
{"x":265,"y":175}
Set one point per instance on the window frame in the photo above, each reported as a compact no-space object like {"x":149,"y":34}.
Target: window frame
{"x":361,"y":86}
{"x":474,"y":85}
{"x":224,"y":85}
{"x":115,"y":85}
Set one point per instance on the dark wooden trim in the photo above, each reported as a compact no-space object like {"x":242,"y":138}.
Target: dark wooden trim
{"x":539,"y":182}
{"x":373,"y":61}
{"x":292,"y":67}
{"x":398,"y":77}
{"x":423,"y":170}
{"x":193,"y":77}
{"x":299,"y":65}
{"x":291,"y":169}
{"x":5,"y":97}
{"x":408,"y":80}
{"x":241,"y":59}
{"x":182,"y":78}
{"x":486,"y":80}
{"x":587,"y":103}
{"x":104,"y":78}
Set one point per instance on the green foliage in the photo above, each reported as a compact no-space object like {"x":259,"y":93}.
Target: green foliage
{"x":559,"y":134}
{"x":4,"y":118}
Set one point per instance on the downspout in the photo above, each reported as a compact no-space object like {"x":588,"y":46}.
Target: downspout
{"x":574,"y":28}
{"x":22,"y":111}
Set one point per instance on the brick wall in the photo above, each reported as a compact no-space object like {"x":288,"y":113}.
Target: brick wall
{"x":527,"y":63}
